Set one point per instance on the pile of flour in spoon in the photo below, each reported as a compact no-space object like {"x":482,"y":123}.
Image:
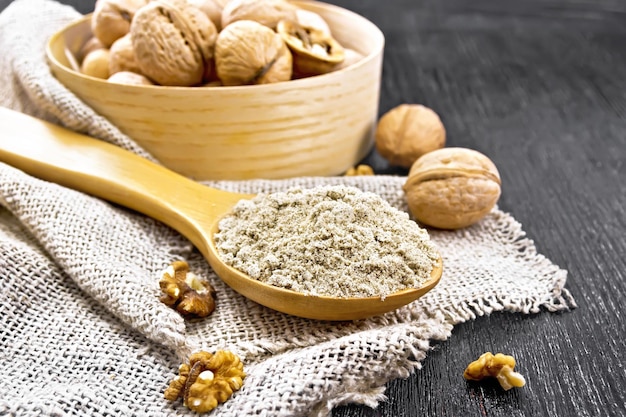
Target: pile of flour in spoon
{"x":333,"y":241}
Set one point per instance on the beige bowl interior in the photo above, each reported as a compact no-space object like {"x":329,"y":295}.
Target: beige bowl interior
{"x":316,"y":126}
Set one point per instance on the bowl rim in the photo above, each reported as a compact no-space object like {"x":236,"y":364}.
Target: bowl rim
{"x":376,"y":51}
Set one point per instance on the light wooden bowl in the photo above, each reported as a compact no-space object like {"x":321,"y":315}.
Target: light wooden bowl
{"x":315,"y":126}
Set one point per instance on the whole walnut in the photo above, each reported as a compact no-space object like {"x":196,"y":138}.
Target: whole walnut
{"x":407,"y":132}
{"x":173,"y":42}
{"x":90,"y":45}
{"x":265,"y":12}
{"x":96,"y":64}
{"x":452,"y":188}
{"x":247,"y":52}
{"x":111,"y":19}
{"x":129,"y":78}
{"x":213,"y":10}
{"x":122,"y":56}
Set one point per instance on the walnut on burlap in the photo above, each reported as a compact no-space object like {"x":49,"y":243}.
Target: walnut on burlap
{"x":83,"y":332}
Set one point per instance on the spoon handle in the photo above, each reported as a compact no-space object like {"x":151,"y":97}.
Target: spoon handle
{"x":107,"y":171}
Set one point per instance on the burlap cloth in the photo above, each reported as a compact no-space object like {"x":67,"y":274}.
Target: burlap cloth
{"x":81,"y":327}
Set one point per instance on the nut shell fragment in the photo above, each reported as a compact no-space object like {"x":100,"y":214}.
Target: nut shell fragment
{"x":247,"y":52}
{"x":452,"y":188}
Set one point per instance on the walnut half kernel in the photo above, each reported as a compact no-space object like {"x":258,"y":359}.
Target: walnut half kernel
{"x":186,"y":292}
{"x":358,"y":170}
{"x":498,"y":366}
{"x":208,"y":380}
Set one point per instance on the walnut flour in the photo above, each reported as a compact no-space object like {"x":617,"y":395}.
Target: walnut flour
{"x":332,"y":240}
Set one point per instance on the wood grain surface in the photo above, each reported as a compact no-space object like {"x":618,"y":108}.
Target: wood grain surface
{"x":540,"y":87}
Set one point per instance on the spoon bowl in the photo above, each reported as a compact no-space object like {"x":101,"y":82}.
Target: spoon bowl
{"x":76,"y":161}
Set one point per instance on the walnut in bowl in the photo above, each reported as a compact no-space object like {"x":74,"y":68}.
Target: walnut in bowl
{"x":315,"y":126}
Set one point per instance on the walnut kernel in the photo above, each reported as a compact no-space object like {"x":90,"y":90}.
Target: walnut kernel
{"x":208,"y":380}
{"x":187,"y":293}
{"x":452,"y":188}
{"x":407,"y":132}
{"x":360,"y":170}
{"x":498,"y":366}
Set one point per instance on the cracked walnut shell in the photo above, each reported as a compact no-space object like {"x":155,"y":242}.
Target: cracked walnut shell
{"x":173,"y":42}
{"x":407,"y":132}
{"x":314,"y":51}
{"x":247,"y":52}
{"x":208,"y":380}
{"x":452,"y":188}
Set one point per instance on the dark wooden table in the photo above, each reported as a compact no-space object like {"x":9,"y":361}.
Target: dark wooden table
{"x":540,"y":87}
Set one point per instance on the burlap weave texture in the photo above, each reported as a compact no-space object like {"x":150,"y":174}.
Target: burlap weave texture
{"x":83,"y":332}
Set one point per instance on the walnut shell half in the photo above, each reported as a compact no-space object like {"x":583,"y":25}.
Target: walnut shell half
{"x":247,"y":52}
{"x":452,"y":188}
{"x":314,"y":51}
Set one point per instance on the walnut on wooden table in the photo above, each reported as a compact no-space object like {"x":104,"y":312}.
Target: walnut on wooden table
{"x":452,"y":188}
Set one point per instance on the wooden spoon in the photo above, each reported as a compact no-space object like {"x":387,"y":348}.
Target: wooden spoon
{"x":92,"y":166}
